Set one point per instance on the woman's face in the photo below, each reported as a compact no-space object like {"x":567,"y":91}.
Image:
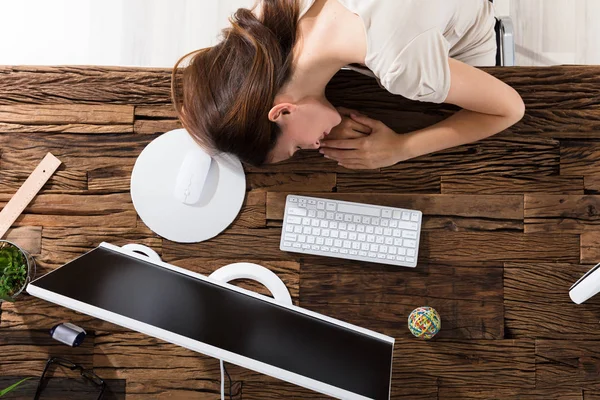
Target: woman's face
{"x":303,"y":126}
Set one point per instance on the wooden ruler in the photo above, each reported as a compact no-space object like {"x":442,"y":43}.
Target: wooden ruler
{"x":27,"y":192}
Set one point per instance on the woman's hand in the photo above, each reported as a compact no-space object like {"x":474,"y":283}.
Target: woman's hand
{"x":348,"y":128}
{"x":382,"y":148}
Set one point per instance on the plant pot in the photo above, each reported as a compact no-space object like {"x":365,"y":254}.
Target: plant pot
{"x":17,"y":269}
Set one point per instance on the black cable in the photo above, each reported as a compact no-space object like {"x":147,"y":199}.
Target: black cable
{"x":229,"y":378}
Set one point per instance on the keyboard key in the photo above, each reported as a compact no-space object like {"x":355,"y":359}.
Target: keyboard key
{"x":379,"y":230}
{"x":410,"y":259}
{"x":379,"y":239}
{"x":293,"y":199}
{"x":307,"y":230}
{"x":329,"y":242}
{"x":289,"y":228}
{"x":310,"y":240}
{"x":413,"y":226}
{"x":386,"y":213}
{"x":305,"y":221}
{"x":290,"y":237}
{"x":320,"y":205}
{"x":397,"y":242}
{"x":389,"y":240}
{"x":414,"y":217}
{"x":335,"y":234}
{"x":320,"y":214}
{"x":370,"y":229}
{"x":366,"y":220}
{"x":298,"y":229}
{"x":343,"y":251}
{"x":362,"y":237}
{"x":409,"y":234}
{"x":383,"y":248}
{"x":315,"y":247}
{"x":372,"y":255}
{"x":387,"y":232}
{"x":325,"y":248}
{"x":302,"y":238}
{"x":360,"y":228}
{"x":410,"y":252}
{"x":325,"y":232}
{"x":329,"y":215}
{"x":335,"y":250}
{"x":306,"y":246}
{"x":297,"y":245}
{"x":405,"y":216}
{"x":393,"y":223}
{"x":392,"y":250}
{"x":315,"y":222}
{"x":337,"y":243}
{"x":297,"y":211}
{"x":381,"y":255}
{"x":324,"y":224}
{"x":316,"y":231}
{"x":351,"y":227}
{"x":347,"y":244}
{"x":410,"y":243}
{"x":294,"y":220}
{"x":371,"y":238}
{"x":330,"y":206}
{"x":400,"y":258}
{"x":356,"y":219}
{"x":401,"y":251}
{"x":343,"y":226}
{"x":396,"y":214}
{"x":356,"y":245}
{"x":355,"y":209}
{"x":364,"y":246}
{"x":333,"y":225}
{"x":390,"y":257}
{"x":352,"y":236}
{"x":343,"y":235}
{"x":311,"y":201}
{"x":362,"y":253}
{"x":353,"y":252}
{"x":348,"y":218}
{"x":287,"y":244}
{"x":385,"y":222}
{"x":374,"y":247}
{"x":320,"y":240}
{"x":339,"y":217}
{"x":312,"y":213}
{"x":375,"y":221}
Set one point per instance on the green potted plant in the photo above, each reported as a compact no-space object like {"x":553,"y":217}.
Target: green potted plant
{"x":17,"y":268}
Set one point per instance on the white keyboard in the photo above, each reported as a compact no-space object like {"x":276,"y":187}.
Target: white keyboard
{"x":349,"y":230}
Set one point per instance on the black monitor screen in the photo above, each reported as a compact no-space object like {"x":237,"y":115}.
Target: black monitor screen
{"x":226,"y":319}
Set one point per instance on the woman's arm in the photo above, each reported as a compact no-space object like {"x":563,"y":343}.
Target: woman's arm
{"x":489,"y":106}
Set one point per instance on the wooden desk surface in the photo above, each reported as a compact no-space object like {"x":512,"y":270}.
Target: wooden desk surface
{"x":509,"y":224}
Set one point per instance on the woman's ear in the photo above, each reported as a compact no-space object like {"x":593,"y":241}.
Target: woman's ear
{"x":279,"y":110}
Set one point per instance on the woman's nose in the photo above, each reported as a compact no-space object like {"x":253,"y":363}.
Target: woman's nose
{"x":316,"y":145}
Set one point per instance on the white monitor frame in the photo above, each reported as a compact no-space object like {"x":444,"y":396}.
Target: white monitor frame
{"x":204,"y":348}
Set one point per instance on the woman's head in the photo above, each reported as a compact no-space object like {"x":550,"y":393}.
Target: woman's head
{"x":227,"y":97}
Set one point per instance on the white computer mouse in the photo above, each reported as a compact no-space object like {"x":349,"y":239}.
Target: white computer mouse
{"x":192,"y":176}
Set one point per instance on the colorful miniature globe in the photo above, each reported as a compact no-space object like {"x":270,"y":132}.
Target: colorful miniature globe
{"x":424,"y":322}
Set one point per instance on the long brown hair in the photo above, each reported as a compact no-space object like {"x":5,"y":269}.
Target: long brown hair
{"x":224,"y":95}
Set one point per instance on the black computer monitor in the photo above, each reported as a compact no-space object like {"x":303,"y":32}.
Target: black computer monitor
{"x":223,"y":321}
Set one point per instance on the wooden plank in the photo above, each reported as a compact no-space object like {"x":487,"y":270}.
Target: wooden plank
{"x":481,"y":364}
{"x":69,"y":386}
{"x":564,"y":87}
{"x":24,"y":352}
{"x":381,"y":298}
{"x":510,"y":156}
{"x":113,"y":179}
{"x":591,"y":183}
{"x":158,"y":111}
{"x":60,"y":246}
{"x":567,"y":364}
{"x":151,"y":126}
{"x":537,"y":302}
{"x":579,"y":158}
{"x":66,"y":128}
{"x":558,"y":120}
{"x":85,"y":85}
{"x":441,"y":212}
{"x":589,"y":395}
{"x":153,"y":367}
{"x":291,"y":182}
{"x":498,"y":246}
{"x":61,"y":114}
{"x":561,"y":213}
{"x":498,"y":184}
{"x":24,"y":152}
{"x":590,"y":247}
{"x":62,"y":181}
{"x":75,"y":210}
{"x":29,"y":238}
{"x":287,"y":271}
{"x":463,"y":393}
{"x":386,"y":182}
{"x":253,"y":213}
{"x":258,"y":244}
